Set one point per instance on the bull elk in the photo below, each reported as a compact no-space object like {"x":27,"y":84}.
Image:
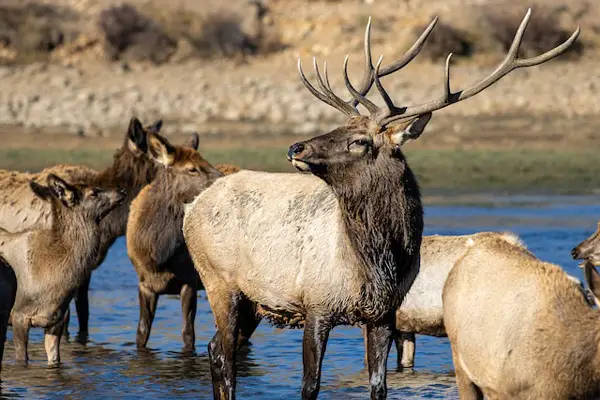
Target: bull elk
{"x":50,"y":262}
{"x":339,"y":245}
{"x":519,"y":328}
{"x":589,"y":249}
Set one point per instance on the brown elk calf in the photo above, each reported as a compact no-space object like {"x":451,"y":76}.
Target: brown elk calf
{"x":519,"y":327}
{"x":51,"y":262}
{"x":131,"y":170}
{"x":154,"y":237}
{"x":8,"y":290}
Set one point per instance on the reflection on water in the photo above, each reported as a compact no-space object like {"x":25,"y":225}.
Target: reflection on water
{"x":110,"y":366}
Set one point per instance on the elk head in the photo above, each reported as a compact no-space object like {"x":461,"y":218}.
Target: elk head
{"x":365,"y":139}
{"x":89,"y":202}
{"x":589,"y":249}
{"x":184,"y":160}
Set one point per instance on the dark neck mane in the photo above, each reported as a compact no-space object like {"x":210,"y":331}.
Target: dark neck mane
{"x":383,"y":218}
{"x":127,"y":172}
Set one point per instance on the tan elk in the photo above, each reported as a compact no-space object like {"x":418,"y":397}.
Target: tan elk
{"x":154,"y":237}
{"x":131,"y":170}
{"x":421,"y":311}
{"x":338,"y":245}
{"x":8,"y":290}
{"x":519,"y":328}
{"x":50,"y":262}
{"x":589,"y":249}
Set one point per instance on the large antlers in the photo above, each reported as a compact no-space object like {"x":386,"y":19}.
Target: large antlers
{"x":392,"y":112}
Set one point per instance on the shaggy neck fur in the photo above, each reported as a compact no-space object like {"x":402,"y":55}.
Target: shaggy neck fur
{"x":127,"y":172}
{"x":383,"y":218}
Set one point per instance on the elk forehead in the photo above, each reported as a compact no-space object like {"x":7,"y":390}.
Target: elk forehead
{"x":189,"y":158}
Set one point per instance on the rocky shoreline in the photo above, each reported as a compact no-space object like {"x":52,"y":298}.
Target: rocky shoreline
{"x":92,"y":100}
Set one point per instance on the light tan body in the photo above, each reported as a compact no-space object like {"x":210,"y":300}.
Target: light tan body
{"x":274,"y":267}
{"x":421,"y":311}
{"x":519,"y":327}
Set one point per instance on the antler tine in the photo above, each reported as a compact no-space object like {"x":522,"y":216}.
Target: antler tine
{"x":510,"y":63}
{"x":359,"y":97}
{"x":391,"y":108}
{"x":345,"y":108}
{"x":415,"y":49}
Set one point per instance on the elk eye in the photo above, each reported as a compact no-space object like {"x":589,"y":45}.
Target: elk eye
{"x":194,"y":170}
{"x":95,"y":193}
{"x":361,"y":142}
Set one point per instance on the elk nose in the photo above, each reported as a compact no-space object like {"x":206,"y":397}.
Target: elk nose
{"x":574,"y":252}
{"x":295,"y":149}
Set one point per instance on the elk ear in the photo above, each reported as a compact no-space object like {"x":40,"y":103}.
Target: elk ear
{"x":156,"y":126}
{"x":67,"y":194}
{"x":592,"y":277}
{"x":160,"y":149}
{"x":401,"y":134}
{"x":136,"y":137}
{"x":43,"y":192}
{"x":193,"y":141}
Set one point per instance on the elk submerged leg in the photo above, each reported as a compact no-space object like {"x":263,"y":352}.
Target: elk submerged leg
{"x":405,"y":345}
{"x":314,"y":343}
{"x":189,"y":303}
{"x":82,"y":306}
{"x":379,"y":341}
{"x":148,"y":300}
{"x":52,"y":337}
{"x":223,"y":346}
{"x":249,"y":321}
{"x":3,"y":329}
{"x":20,"y":328}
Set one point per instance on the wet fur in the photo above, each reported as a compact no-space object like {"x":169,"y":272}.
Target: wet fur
{"x":529,"y":332}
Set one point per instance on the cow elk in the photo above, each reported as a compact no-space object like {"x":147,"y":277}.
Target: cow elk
{"x":421,"y":312}
{"x":8,"y":290}
{"x":50,"y":262}
{"x":131,"y":170}
{"x":519,"y":328}
{"x":589,"y":249}
{"x":340,"y":246}
{"x":154,"y":237}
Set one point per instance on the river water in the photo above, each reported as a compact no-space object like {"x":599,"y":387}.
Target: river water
{"x":109,"y":366}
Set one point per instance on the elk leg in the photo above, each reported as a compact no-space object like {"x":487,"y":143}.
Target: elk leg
{"x":20,"y":328}
{"x":82,"y":306}
{"x":379,"y":341}
{"x":189,"y":302}
{"x":314,"y":343}
{"x":249,"y":321}
{"x":148,"y":301}
{"x":3,"y":329}
{"x":363,"y":329}
{"x":467,"y":390}
{"x":52,"y":337}
{"x":405,"y":345}
{"x":223,"y":346}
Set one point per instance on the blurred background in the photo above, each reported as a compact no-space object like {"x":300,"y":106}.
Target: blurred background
{"x":72,"y":73}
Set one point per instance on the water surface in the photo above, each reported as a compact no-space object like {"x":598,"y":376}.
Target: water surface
{"x":110,"y":366}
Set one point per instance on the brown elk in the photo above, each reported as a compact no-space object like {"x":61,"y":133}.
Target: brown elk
{"x":154,"y":237}
{"x":131,"y":170}
{"x":340,"y":246}
{"x":8,"y":290}
{"x":589,"y":249}
{"x":519,"y":328}
{"x":50,"y":262}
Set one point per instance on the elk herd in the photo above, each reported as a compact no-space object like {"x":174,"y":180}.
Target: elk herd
{"x":339,"y":244}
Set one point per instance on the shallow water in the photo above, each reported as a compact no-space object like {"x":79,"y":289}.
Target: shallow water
{"x":109,"y":366}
